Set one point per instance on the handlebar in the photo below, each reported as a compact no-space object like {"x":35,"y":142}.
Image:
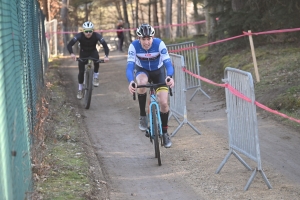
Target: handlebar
{"x":151,"y":85}
{"x":90,"y":58}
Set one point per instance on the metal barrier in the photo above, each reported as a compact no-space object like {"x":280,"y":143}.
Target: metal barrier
{"x":51,"y":34}
{"x":192,"y":64}
{"x":178,"y":100}
{"x":242,"y":122}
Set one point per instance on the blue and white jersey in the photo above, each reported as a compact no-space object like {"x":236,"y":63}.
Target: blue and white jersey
{"x":150,"y":60}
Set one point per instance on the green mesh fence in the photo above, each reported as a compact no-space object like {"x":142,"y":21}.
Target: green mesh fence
{"x":23,"y":59}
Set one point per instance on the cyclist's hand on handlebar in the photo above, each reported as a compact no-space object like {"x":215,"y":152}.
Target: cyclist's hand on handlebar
{"x":73,"y":56}
{"x":169,"y":81}
{"x":106,"y":59}
{"x":132,"y":87}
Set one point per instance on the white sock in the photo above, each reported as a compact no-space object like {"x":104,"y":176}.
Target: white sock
{"x":80,"y":87}
{"x":96,"y":75}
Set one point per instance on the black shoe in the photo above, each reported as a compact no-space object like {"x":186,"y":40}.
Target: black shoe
{"x":167,"y":140}
{"x":147,"y":134}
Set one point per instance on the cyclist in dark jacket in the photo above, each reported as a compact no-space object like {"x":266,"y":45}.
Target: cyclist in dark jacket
{"x":88,"y":41}
{"x":120,"y":35}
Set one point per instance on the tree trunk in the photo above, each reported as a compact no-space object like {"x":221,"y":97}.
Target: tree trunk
{"x":161,"y":5}
{"x":184,"y":17}
{"x":178,"y":32}
{"x":64,"y":17}
{"x":118,"y":8}
{"x":86,"y":12}
{"x":149,"y":11}
{"x":49,"y":10}
{"x":155,"y":18}
{"x":137,"y":13}
{"x":208,"y":20}
{"x":44,"y":5}
{"x":127,"y":25}
{"x":236,"y":5}
{"x":168,"y":17}
{"x":196,"y":16}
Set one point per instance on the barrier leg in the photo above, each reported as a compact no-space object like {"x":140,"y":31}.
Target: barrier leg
{"x":224,"y":161}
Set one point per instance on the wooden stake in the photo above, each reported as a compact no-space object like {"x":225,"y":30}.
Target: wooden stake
{"x":254,"y":57}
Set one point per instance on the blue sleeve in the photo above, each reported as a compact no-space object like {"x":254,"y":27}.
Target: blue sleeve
{"x":169,"y":67}
{"x":129,"y":71}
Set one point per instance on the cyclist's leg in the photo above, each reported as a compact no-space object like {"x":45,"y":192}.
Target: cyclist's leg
{"x":81,"y":67}
{"x":162,"y":96}
{"x":142,"y":79}
{"x":95,"y":54}
{"x":159,"y":76}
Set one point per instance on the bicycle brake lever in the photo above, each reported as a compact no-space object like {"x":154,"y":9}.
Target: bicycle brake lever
{"x":170,"y":89}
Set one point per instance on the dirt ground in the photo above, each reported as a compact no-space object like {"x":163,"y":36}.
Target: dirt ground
{"x":125,"y":161}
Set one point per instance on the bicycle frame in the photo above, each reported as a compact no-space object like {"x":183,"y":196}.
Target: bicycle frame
{"x":153,"y":101}
{"x":155,"y":127}
{"x":88,"y":78}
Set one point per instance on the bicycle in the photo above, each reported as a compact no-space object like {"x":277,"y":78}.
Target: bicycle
{"x":154,"y":131}
{"x":88,"y":79}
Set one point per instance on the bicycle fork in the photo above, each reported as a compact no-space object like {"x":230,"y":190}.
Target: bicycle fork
{"x":151,"y":121}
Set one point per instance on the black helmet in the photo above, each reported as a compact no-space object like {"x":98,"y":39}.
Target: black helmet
{"x":145,"y":30}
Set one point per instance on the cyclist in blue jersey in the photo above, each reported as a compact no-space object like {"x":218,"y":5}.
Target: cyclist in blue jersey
{"x":148,"y":57}
{"x":88,"y":40}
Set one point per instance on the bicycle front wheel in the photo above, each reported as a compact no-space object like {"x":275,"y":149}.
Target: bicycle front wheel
{"x":156,"y":132}
{"x":88,"y":87}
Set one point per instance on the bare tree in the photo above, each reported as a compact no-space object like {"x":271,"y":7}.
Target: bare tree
{"x":162,"y":16}
{"x":118,"y":8}
{"x":237,"y":4}
{"x":168,"y":17}
{"x":127,"y":25}
{"x":178,"y":32}
{"x":155,"y":17}
{"x":64,"y":17}
{"x":137,"y":13}
{"x":184,"y":15}
{"x":196,"y":15}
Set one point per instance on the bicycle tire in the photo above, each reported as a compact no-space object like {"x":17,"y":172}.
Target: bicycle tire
{"x":88,"y":87}
{"x":156,"y":133}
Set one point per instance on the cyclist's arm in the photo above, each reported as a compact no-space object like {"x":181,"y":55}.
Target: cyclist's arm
{"x":129,"y":71}
{"x":166,"y":59}
{"x":130,"y":63}
{"x":72,"y":42}
{"x":104,"y":44}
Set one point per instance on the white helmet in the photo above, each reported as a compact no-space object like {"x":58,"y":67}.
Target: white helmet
{"x":88,"y":25}
{"x":145,"y":30}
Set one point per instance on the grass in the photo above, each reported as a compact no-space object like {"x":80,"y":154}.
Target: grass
{"x":65,"y":173}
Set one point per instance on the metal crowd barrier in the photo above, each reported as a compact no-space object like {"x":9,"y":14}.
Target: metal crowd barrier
{"x":192,"y":64}
{"x":242,"y":122}
{"x":178,"y":100}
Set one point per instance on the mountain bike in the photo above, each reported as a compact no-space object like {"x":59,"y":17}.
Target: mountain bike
{"x":154,"y":131}
{"x":88,"y":79}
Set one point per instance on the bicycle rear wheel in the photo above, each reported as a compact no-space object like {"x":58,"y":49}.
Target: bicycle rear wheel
{"x":156,"y":133}
{"x":88,"y":87}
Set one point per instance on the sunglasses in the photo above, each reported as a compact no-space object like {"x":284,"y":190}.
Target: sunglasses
{"x":88,"y":31}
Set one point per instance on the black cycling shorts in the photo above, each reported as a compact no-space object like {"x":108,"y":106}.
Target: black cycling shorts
{"x":157,"y":76}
